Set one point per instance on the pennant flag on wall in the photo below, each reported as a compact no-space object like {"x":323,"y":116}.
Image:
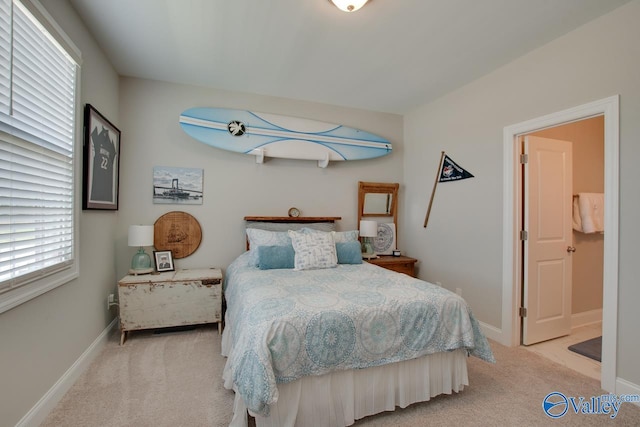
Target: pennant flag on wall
{"x":450,"y":171}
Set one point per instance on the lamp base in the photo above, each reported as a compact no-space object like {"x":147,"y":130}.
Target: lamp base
{"x":141,"y":263}
{"x":367,"y":249}
{"x":140,"y":271}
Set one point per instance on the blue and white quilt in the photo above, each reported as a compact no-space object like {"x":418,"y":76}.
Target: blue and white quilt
{"x":286,"y":324}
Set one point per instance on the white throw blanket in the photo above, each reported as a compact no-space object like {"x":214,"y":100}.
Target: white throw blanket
{"x":588,"y":215}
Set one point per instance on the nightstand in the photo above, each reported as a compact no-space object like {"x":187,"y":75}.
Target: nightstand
{"x":172,"y":298}
{"x":400,"y":264}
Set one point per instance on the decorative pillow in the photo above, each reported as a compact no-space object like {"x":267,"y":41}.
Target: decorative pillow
{"x":345,"y":236}
{"x":313,"y":250}
{"x":349,"y":252}
{"x":271,"y":257}
{"x":259,"y":238}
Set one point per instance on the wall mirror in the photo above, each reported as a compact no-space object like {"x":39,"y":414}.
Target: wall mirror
{"x":378,"y":200}
{"x":377,"y":203}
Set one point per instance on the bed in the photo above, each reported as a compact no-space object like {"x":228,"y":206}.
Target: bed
{"x":324,"y":340}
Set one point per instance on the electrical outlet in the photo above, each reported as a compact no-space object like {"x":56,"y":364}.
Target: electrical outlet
{"x":110,"y":300}
{"x":459,"y":291}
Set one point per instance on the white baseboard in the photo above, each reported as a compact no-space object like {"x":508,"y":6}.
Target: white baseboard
{"x":577,"y":320}
{"x":580,"y":319}
{"x":45,"y":405}
{"x":586,"y":318}
{"x":491,"y":332}
{"x":626,"y":387}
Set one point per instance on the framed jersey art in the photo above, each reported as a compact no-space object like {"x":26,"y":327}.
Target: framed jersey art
{"x":101,"y":161}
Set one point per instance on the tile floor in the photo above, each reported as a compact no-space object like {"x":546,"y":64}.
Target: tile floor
{"x":557,"y":350}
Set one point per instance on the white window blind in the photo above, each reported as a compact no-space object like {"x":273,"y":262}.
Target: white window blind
{"x":38,"y":81}
{"x":5,"y":54}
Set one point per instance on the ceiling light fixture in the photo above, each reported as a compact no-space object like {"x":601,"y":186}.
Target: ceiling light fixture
{"x":349,"y":5}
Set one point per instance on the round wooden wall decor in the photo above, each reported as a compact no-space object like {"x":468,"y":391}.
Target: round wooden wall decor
{"x":177,"y":232}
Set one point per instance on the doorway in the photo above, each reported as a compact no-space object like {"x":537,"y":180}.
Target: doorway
{"x":566,"y":318}
{"x":511,"y":334}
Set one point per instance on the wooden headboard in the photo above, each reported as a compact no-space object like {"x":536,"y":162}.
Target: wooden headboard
{"x":300,"y":219}
{"x":297,"y":220}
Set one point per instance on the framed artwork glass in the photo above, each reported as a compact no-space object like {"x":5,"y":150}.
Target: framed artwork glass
{"x":177,"y":185}
{"x":164,"y":261}
{"x":101,"y":162}
{"x":385,"y":243}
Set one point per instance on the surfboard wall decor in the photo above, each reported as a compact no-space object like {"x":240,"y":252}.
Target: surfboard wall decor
{"x":272,"y":135}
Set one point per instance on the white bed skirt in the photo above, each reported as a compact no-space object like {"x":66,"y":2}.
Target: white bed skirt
{"x":340,"y":398}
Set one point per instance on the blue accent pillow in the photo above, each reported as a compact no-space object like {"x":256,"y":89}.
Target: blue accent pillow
{"x":272,"y":257}
{"x":258,"y":237}
{"x":349,"y":252}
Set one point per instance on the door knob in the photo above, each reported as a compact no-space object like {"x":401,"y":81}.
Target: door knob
{"x":571,"y":249}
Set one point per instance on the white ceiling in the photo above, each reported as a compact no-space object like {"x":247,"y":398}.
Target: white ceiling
{"x":390,"y":56}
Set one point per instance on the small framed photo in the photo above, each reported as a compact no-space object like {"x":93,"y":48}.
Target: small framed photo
{"x":101,"y":161}
{"x":164,"y":261}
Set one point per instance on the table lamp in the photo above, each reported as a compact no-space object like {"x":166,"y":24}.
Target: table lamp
{"x":368,"y":231}
{"x":141,"y":236}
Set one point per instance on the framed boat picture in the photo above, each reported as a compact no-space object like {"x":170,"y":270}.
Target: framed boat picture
{"x":173,"y":185}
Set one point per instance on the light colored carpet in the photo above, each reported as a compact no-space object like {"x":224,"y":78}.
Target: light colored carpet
{"x":175,"y":380}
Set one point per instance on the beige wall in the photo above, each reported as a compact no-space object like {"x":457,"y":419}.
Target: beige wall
{"x":462,"y":246}
{"x":588,"y":177}
{"x":234,"y":185}
{"x":42,"y":338}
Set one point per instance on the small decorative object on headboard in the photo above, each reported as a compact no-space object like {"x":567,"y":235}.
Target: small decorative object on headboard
{"x":294,"y":212}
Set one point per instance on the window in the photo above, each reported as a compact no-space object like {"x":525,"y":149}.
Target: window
{"x":38,"y":98}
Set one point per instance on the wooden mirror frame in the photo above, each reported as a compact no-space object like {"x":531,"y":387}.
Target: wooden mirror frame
{"x":378,"y":188}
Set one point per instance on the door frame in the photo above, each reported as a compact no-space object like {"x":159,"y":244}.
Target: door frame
{"x":511,"y":247}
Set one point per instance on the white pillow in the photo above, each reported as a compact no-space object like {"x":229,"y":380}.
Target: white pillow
{"x":259,"y":238}
{"x":313,"y":250}
{"x":345,"y":236}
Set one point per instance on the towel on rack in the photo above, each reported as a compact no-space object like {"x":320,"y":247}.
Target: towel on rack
{"x":591,"y":206}
{"x":577,"y":221}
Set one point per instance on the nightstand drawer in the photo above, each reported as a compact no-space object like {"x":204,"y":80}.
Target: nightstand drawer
{"x":400,"y":264}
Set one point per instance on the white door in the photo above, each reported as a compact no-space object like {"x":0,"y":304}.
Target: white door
{"x":548,"y":247}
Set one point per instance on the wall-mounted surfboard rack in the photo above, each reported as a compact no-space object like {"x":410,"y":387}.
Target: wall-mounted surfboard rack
{"x":272,"y":135}
{"x":260,"y":155}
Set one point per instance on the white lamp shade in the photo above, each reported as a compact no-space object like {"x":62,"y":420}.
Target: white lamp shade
{"x":368,"y":228}
{"x":141,"y":235}
{"x":349,"y":5}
